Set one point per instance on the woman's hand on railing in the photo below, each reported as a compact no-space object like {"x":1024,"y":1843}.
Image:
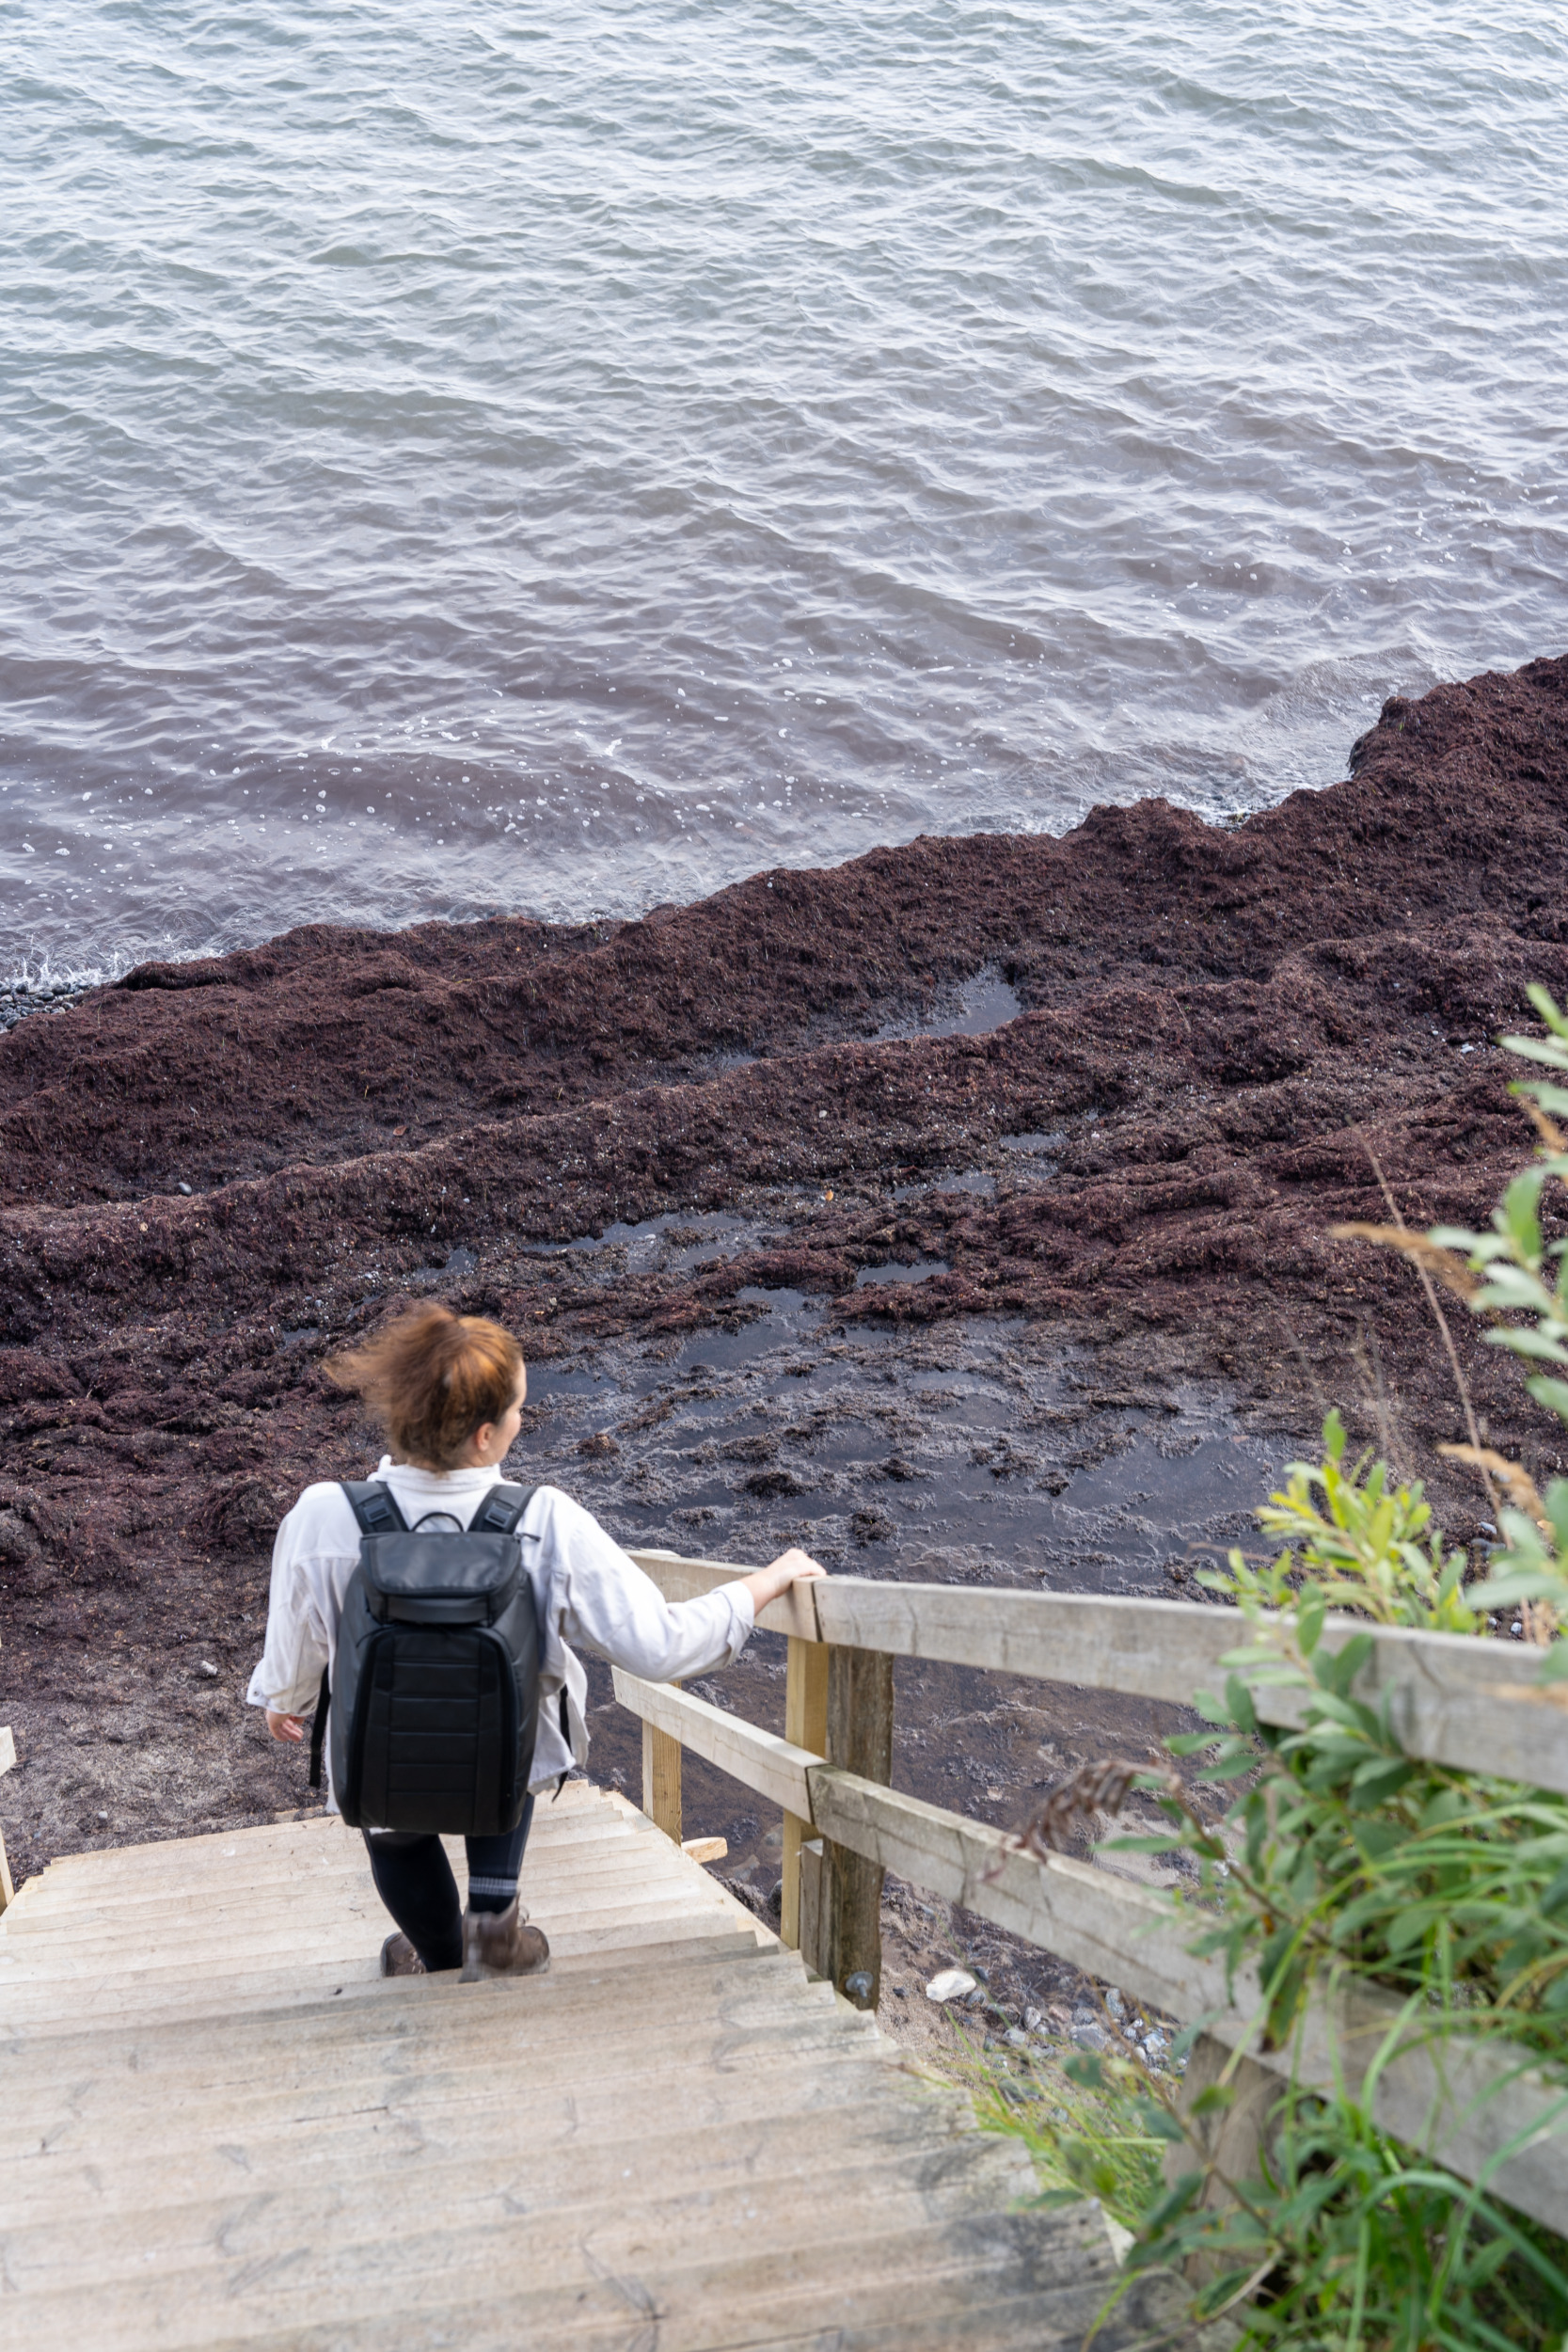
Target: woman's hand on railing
{"x":791,"y":1568}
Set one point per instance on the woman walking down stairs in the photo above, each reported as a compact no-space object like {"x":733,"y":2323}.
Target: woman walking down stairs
{"x":219,"y":2125}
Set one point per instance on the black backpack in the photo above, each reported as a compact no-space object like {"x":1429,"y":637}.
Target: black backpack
{"x":437,"y":1704}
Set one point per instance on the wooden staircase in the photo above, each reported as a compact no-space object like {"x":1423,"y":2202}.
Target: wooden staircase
{"x":219,"y":2127}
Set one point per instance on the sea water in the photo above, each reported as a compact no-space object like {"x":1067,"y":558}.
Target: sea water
{"x":564,"y":457}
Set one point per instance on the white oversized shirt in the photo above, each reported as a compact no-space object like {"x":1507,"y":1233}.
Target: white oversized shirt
{"x":585,"y":1587}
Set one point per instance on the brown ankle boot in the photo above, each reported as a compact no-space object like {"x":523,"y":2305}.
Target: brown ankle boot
{"x":501,"y":1944}
{"x":399,"y":1959}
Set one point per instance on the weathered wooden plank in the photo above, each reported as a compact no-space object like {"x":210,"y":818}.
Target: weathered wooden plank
{"x":759,"y":1759}
{"x":661,"y":1781}
{"x":1463,"y":2102}
{"x":849,"y":1945}
{"x":1461,"y":1701}
{"x":680,"y":1578}
{"x":8,"y":1758}
{"x":806,"y":1726}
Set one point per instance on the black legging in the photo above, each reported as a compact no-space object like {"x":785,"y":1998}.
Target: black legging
{"x":414,"y":1880}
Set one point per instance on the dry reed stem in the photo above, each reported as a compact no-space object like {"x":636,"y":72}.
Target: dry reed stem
{"x":1516,"y":1483}
{"x":1547,"y":1129}
{"x":1426,"y":1256}
{"x":1456,"y":1275}
{"x":1101,"y":1788}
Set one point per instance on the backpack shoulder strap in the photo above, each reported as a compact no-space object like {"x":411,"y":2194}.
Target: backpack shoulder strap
{"x":374,"y":1506}
{"x":501,"y":1509}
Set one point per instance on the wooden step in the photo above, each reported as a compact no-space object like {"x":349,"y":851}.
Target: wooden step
{"x":553,"y":2073}
{"x":220,"y":2126}
{"x":704,"y":2285}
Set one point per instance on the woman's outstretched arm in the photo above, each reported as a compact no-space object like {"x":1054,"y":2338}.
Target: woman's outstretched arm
{"x":793,"y":1567}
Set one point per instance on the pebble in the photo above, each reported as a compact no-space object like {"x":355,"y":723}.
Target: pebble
{"x":950,"y":1984}
{"x":18,"y":998}
{"x":208,"y":1669}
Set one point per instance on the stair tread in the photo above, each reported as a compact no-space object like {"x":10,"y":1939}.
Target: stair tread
{"x":279,"y":2148}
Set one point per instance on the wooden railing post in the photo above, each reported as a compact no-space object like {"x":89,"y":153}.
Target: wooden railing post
{"x":805,"y":1726}
{"x":849,"y":1906}
{"x":8,"y":1758}
{"x":662,"y":1780}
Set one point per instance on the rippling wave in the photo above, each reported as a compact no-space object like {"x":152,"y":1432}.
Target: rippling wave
{"x":564,"y":459}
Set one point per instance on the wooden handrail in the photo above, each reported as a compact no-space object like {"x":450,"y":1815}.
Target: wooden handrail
{"x":1461,"y":2099}
{"x":1455,"y":1699}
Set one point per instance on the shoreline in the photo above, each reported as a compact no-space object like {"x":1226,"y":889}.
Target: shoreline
{"x":961,"y":1210}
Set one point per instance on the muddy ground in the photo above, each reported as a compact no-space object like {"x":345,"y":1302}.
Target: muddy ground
{"x":962,"y":1212}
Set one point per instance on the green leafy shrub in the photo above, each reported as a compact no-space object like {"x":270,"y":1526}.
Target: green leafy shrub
{"x":1338,"y":1857}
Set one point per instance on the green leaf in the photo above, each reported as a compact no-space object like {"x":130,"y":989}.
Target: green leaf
{"x":1381,"y":1779}
{"x":1348,"y":1662}
{"x":1174,"y":2202}
{"x":1520,"y":1215}
{"x":1552,"y":1393}
{"x":1309,"y":1620}
{"x":1160,"y":2121}
{"x":1216,"y":2100}
{"x":1239,"y":1700}
{"x":1545,"y":1006}
{"x":1512,"y":1585}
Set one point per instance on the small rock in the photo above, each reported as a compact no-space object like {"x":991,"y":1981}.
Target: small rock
{"x":208,"y":1669}
{"x":1016,"y":2039}
{"x":1015,"y":2092}
{"x":1091,"y":2037}
{"x":900,"y":1992}
{"x":950,"y":1984}
{"x":1031,"y":2019}
{"x":1115,"y":2003}
{"x":186,"y":1190}
{"x":976,"y":1999}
